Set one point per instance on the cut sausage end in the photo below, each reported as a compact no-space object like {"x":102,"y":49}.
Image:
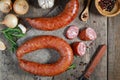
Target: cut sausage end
{"x":88,"y":34}
{"x":72,"y":32}
{"x":79,"y":48}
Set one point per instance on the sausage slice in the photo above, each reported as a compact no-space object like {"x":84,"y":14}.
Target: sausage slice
{"x":72,"y":32}
{"x":79,"y":48}
{"x":88,"y":34}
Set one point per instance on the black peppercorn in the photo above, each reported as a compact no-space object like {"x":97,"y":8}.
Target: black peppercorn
{"x":107,"y":5}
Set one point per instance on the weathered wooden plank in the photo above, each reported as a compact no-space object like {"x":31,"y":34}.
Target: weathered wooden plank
{"x":113,"y":48}
{"x":99,"y":23}
{"x":10,"y":70}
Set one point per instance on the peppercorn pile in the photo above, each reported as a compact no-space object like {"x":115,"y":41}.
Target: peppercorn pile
{"x":107,"y":5}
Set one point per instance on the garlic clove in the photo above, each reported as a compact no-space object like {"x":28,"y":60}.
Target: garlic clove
{"x":46,"y":3}
{"x":51,"y":3}
{"x":44,"y":6}
{"x":23,"y":28}
{"x":2,"y":45}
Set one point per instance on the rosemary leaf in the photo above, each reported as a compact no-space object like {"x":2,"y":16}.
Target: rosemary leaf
{"x":12,"y":35}
{"x":73,"y":66}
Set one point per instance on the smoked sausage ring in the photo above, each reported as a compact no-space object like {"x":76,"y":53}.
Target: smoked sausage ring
{"x":40,"y":42}
{"x":59,"y":21}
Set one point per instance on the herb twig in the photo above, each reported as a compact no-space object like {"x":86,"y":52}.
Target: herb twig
{"x":73,"y":66}
{"x":12,"y":35}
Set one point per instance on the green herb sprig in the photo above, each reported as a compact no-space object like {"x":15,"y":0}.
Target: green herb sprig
{"x":73,"y":66}
{"x":12,"y":35}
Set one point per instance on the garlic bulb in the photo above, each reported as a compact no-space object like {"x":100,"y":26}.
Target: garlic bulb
{"x":5,"y":6}
{"x":46,"y":3}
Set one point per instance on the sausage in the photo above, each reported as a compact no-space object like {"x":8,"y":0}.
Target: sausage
{"x":88,"y":34}
{"x":59,"y":21}
{"x":41,"y":42}
{"x":79,"y":48}
{"x":72,"y":32}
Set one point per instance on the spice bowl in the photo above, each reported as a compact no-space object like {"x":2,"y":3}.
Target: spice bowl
{"x":115,"y":11}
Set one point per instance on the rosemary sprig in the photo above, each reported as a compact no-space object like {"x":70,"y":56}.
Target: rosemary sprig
{"x":12,"y":35}
{"x":73,"y":66}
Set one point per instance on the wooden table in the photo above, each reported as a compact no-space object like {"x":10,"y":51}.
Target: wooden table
{"x":108,"y":31}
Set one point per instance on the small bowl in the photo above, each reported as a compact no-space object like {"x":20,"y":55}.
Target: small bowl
{"x":115,"y":11}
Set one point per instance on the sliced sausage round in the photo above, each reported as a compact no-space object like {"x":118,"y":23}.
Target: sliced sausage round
{"x":88,"y":34}
{"x":79,"y":48}
{"x":72,"y":32}
{"x":41,"y":42}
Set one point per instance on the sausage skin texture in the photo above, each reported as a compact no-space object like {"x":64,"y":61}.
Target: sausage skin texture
{"x":41,"y":42}
{"x":59,"y":21}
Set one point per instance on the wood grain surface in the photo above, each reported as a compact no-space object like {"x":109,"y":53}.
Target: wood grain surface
{"x":114,"y":48}
{"x":108,"y":33}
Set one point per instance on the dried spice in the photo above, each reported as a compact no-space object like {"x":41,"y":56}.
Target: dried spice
{"x":107,"y":5}
{"x":82,"y":63}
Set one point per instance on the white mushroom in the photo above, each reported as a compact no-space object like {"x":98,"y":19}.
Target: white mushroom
{"x":46,"y":3}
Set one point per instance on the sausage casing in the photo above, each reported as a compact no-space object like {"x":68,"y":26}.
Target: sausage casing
{"x":59,"y":21}
{"x":40,"y":42}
